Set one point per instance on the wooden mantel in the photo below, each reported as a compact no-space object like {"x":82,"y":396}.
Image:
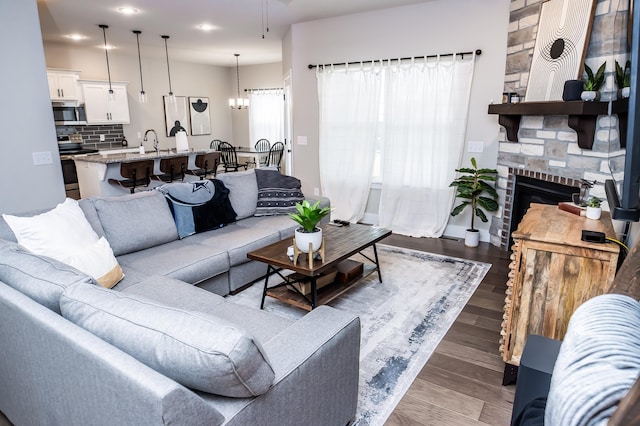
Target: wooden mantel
{"x":582,"y":117}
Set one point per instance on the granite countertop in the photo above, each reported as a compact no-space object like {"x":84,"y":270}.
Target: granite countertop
{"x":127,"y":157}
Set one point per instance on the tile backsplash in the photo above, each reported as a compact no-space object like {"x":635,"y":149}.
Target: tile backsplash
{"x":113,"y":135}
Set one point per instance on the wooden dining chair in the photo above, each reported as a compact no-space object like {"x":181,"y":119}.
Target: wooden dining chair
{"x":263,"y":145}
{"x":229,"y":157}
{"x":275,"y":155}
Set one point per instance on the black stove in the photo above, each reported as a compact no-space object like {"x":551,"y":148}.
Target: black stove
{"x":76,"y":151}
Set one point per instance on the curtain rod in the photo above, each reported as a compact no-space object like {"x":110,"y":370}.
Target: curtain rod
{"x":477,"y":52}
{"x":257,"y":90}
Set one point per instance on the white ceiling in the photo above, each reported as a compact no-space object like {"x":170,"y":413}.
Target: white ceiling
{"x":238,"y":25}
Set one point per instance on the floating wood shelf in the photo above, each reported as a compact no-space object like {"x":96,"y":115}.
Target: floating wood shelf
{"x":582,"y":117}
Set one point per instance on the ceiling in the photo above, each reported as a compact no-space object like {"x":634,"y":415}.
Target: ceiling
{"x":238,"y":26}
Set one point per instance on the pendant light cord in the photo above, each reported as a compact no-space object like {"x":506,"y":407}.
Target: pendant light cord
{"x":238,"y":74}
{"x":106,"y":53}
{"x":137,"y":33}
{"x":265,"y":16}
{"x":166,"y":51}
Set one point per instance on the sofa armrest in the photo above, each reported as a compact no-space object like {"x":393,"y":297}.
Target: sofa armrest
{"x":316,"y":361}
{"x":324,"y":202}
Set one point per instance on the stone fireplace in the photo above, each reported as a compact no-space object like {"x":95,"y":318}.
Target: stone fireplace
{"x":547,"y":149}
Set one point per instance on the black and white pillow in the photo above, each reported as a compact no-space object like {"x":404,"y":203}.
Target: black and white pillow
{"x":277,"y":193}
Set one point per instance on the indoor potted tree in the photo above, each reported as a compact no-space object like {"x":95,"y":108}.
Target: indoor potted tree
{"x":593,"y":82}
{"x":471,"y":185}
{"x":594,"y":209}
{"x":623,"y":78}
{"x":307,"y":217}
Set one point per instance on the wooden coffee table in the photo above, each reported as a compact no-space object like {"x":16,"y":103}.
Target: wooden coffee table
{"x":340,"y":243}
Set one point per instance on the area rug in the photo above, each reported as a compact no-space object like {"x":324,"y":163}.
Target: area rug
{"x":403,"y":319}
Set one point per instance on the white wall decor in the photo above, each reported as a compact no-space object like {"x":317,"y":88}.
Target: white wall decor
{"x":200,"y":120}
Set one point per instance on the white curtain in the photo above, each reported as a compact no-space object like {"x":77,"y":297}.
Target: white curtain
{"x":426,"y":108}
{"x":266,"y":115}
{"x":349,"y":112}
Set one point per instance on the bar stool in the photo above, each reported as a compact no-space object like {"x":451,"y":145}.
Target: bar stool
{"x":136,"y":173}
{"x":172,"y":168}
{"x":207,"y":164}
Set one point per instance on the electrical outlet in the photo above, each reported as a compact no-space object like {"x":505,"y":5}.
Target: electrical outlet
{"x":316,"y":191}
{"x":101,"y":138}
{"x":42,"y":158}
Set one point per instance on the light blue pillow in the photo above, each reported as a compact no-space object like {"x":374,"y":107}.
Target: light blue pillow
{"x":195,"y":349}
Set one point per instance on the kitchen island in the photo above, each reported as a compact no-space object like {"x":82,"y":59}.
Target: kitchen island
{"x":95,"y":170}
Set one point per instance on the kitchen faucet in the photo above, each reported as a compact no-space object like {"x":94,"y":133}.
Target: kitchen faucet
{"x":155,"y":139}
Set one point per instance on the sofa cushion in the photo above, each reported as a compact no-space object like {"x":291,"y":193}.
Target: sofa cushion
{"x":135,"y":222}
{"x":198,"y":206}
{"x":63,"y":233}
{"x":277,"y":193}
{"x":41,"y":278}
{"x":243,"y":191}
{"x":181,"y":259}
{"x":195,"y":349}
{"x":237,"y":241}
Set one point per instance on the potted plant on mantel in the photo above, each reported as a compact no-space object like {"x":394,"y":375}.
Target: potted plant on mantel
{"x":593,"y":82}
{"x":623,"y":78}
{"x":470,"y":187}
{"x":308,"y":217}
{"x":594,"y":209}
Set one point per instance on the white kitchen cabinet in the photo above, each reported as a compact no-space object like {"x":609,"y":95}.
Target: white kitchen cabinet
{"x":100,"y":109}
{"x":63,"y":85}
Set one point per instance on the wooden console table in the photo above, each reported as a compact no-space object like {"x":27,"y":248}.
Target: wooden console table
{"x":552,"y":273}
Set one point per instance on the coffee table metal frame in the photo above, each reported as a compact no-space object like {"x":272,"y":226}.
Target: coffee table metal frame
{"x":342,"y":243}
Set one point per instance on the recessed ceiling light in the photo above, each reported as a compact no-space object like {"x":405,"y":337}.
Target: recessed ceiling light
{"x":127,"y":10}
{"x":206,"y":27}
{"x":75,"y":37}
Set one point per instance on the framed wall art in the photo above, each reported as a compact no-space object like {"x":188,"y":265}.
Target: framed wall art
{"x":200,"y":119}
{"x":559,"y":52}
{"x":176,"y":115}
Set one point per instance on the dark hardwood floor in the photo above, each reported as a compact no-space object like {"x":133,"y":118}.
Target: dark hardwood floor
{"x":461,"y":382}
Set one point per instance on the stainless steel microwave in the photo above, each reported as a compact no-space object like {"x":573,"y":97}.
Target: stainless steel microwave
{"x":69,"y":113}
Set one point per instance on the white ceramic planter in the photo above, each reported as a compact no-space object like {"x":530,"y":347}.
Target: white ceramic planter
{"x":304,"y":238}
{"x":594,"y":212}
{"x":625,"y":92}
{"x":589,"y":95}
{"x":472,"y":238}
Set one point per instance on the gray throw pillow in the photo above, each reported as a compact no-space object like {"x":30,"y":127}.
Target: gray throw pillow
{"x":135,"y":222}
{"x":195,"y":349}
{"x":243,"y":191}
{"x":41,"y":278}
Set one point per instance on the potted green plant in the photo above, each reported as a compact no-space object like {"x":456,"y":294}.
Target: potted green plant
{"x":623,"y":78}
{"x":473,"y":189}
{"x":594,"y":209}
{"x":593,"y":82}
{"x":308,"y":216}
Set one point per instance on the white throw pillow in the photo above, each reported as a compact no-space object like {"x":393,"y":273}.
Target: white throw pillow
{"x":61,"y":229}
{"x":98,"y":261}
{"x":64,"y":234}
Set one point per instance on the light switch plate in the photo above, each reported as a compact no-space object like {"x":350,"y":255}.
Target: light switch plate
{"x":302,"y":140}
{"x":42,"y":158}
{"x":475,"y":146}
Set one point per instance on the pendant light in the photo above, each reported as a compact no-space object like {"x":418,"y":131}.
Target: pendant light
{"x":239,"y":102}
{"x":172,"y":98}
{"x":143,"y":95}
{"x":106,"y":54}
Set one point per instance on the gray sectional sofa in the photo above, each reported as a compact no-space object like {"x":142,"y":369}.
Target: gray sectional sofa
{"x":157,"y":348}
